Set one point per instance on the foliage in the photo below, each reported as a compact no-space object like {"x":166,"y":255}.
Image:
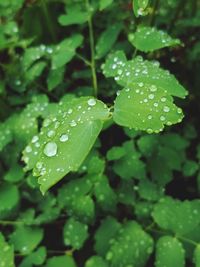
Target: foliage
{"x":95,"y":168}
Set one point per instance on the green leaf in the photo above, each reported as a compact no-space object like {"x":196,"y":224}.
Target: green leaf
{"x":75,"y":233}
{"x":5,"y":134}
{"x":139,"y":7}
{"x":116,"y":153}
{"x":107,"y":39}
{"x":52,"y":154}
{"x":6,"y":253}
{"x":149,"y":39}
{"x":190,"y":168}
{"x":36,"y":258}
{"x":9,"y":199}
{"x":96,"y":261}
{"x":146,"y":102}
{"x":132,"y":247}
{"x":25,"y":239}
{"x":15,"y":174}
{"x":65,"y":51}
{"x":196,"y":256}
{"x":55,"y":78}
{"x":169,"y":252}
{"x":74,"y":16}
{"x":149,"y":190}
{"x":148,"y":144}
{"x":104,"y":4}
{"x":170,"y":214}
{"x":59,"y":261}
{"x":104,"y":235}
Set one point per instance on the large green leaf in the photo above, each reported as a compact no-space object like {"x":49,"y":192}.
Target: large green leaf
{"x":170,"y":214}
{"x":54,"y":152}
{"x":6,"y":253}
{"x":169,"y":252}
{"x":146,"y":102}
{"x":148,"y":39}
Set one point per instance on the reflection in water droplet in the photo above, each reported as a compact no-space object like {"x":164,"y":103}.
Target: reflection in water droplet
{"x":92,"y":102}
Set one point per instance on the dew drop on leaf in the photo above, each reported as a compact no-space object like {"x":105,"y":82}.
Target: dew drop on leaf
{"x":50,"y":149}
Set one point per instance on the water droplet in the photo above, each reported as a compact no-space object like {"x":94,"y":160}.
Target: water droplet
{"x":149,"y":117}
{"x":35,"y":139}
{"x":69,"y":111}
{"x":162,"y":118}
{"x":50,"y":133}
{"x":166,"y":109}
{"x":163,"y":99}
{"x":141,"y":84}
{"x":151,"y":96}
{"x":50,"y":149}
{"x":73,"y":123}
{"x":64,"y":138}
{"x":28,"y":149}
{"x":92,"y":102}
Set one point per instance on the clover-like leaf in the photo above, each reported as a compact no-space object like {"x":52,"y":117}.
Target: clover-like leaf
{"x":132,"y":246}
{"x":6,"y":253}
{"x":35,"y":258}
{"x":146,"y":102}
{"x":75,"y":233}
{"x":64,"y":260}
{"x":75,"y":15}
{"x":170,"y":214}
{"x":148,"y":39}
{"x":54,"y":153}
{"x":25,"y":239}
{"x":169,"y":252}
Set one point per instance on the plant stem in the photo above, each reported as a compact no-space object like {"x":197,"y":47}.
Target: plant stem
{"x":10,"y":222}
{"x":155,"y":7}
{"x":92,"y":51}
{"x":87,"y":62}
{"x":48,"y":20}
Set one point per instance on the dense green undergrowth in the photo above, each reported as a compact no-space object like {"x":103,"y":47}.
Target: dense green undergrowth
{"x":99,"y":149}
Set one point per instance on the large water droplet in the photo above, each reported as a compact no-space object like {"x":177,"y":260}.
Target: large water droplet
{"x":92,"y":102}
{"x":64,"y":138}
{"x":50,"y":149}
{"x":50,"y":133}
{"x":166,"y":109}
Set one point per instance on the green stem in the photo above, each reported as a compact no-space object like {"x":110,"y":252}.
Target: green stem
{"x":155,"y":7}
{"x":87,"y":62}
{"x":48,"y":20}
{"x":10,"y":222}
{"x":92,"y":51}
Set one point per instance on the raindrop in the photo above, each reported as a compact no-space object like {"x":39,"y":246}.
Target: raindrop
{"x":73,"y":123}
{"x":92,"y":102}
{"x":35,"y":139}
{"x":166,"y":109}
{"x":162,"y":118}
{"x":64,"y":138}
{"x":50,"y":133}
{"x":28,"y":149}
{"x":50,"y":149}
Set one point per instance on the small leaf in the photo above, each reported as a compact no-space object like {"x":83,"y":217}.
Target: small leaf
{"x":107,"y":39}
{"x":65,"y":51}
{"x":104,"y":4}
{"x":9,"y":199}
{"x":25,"y":239}
{"x":59,"y":261}
{"x":132,"y":246}
{"x":75,"y":233}
{"x":104,"y":235}
{"x":170,"y":214}
{"x":55,"y":146}
{"x":55,"y":78}
{"x":148,"y":39}
{"x":96,"y":261}
{"x":196,"y":256}
{"x":5,"y":134}
{"x":190,"y":168}
{"x":74,"y":16}
{"x":116,"y":153}
{"x":139,"y":7}
{"x":36,"y":258}
{"x":6,"y":253}
{"x":169,"y":252}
